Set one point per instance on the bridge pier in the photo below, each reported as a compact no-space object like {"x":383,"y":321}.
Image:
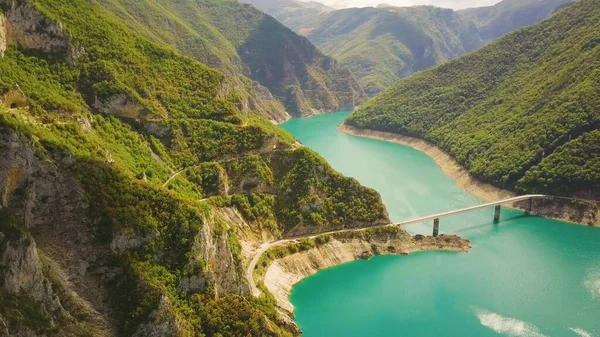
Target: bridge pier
{"x":436,"y":227}
{"x":529,"y":206}
{"x":497,"y":213}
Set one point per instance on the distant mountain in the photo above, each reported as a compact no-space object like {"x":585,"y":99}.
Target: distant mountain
{"x":246,"y":43}
{"x":497,"y":20}
{"x":299,"y":16}
{"x":522,"y":113}
{"x":384,"y":44}
{"x":265,"y":5}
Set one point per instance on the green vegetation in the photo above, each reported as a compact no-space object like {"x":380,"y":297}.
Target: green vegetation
{"x":384,"y":44}
{"x":232,"y":315}
{"x":124,"y":113}
{"x":19,"y":311}
{"x":245,"y":43}
{"x":573,"y":167}
{"x":313,"y":194}
{"x":514,"y":113}
{"x":9,"y":226}
{"x":257,"y":209}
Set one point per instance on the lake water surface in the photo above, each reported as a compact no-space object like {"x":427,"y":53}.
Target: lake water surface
{"x":526,"y":276}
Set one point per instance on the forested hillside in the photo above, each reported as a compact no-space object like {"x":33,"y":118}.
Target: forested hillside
{"x":522,"y":113}
{"x":247,"y":44}
{"x":132,"y":187}
{"x":384,"y":44}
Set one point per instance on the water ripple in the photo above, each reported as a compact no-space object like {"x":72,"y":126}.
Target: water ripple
{"x":507,"y":325}
{"x":592,"y":283}
{"x":581,"y":332}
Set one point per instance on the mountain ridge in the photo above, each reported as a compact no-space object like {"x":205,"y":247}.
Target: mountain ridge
{"x":386,"y":43}
{"x":513,"y":112}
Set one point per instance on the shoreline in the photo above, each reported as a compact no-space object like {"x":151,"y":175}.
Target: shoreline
{"x":571,"y":212}
{"x":284,"y":273}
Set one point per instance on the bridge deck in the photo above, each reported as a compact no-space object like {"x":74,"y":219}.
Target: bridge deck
{"x":472,"y":208}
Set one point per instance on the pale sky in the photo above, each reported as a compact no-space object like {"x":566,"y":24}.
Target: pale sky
{"x":454,"y":4}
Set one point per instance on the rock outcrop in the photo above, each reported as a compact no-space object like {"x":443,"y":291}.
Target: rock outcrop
{"x":3,"y":35}
{"x":224,"y":270}
{"x":15,"y":99}
{"x":46,"y":199}
{"x":23,"y":26}
{"x":121,"y":105}
{"x":22,"y":272}
{"x":35,"y":294}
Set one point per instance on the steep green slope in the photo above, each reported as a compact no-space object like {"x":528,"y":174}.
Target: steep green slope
{"x":384,"y":44}
{"x":247,"y":43}
{"x":505,"y":16}
{"x":129,"y":180}
{"x":518,"y":113}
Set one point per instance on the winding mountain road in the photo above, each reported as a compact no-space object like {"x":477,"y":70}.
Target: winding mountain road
{"x":266,"y":246}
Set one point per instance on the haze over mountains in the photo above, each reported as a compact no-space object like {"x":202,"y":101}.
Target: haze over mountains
{"x":384,"y":44}
{"x":454,"y":4}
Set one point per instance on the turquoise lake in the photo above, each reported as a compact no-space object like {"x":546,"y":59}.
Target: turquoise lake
{"x":526,"y":276}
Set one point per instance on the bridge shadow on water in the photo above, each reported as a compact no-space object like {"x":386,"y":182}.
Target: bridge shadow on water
{"x":489,"y":224}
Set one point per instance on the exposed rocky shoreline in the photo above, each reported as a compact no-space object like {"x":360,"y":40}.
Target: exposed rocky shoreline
{"x":578,"y":212}
{"x":284,"y":273}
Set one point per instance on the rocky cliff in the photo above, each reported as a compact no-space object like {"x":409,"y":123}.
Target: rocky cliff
{"x":36,"y":298}
{"x":26,"y":27}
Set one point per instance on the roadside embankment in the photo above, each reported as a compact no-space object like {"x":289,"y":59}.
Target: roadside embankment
{"x":282,"y":267}
{"x":574,"y":211}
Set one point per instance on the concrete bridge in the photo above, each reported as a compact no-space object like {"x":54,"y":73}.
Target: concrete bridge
{"x":436,"y":226}
{"x":436,"y":217}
